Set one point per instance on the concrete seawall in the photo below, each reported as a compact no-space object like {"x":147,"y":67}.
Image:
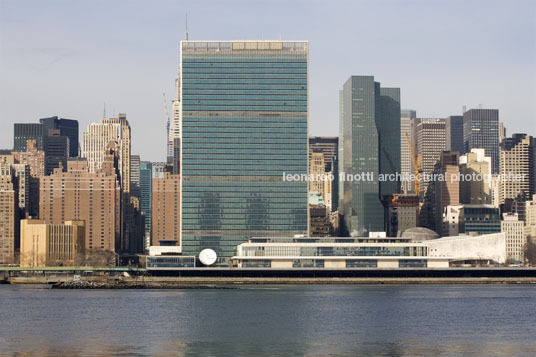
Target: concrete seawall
{"x":206,"y":282}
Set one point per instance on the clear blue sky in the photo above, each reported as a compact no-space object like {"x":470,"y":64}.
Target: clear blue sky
{"x":67,"y":58}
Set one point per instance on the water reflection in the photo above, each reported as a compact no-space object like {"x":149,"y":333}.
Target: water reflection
{"x":270,"y":320}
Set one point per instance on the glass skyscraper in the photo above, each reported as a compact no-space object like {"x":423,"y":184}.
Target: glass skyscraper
{"x":481,"y":131}
{"x":146,"y":193}
{"x":243,"y":119}
{"x":370,"y":141}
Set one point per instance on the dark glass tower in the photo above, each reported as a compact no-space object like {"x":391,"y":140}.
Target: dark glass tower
{"x":481,"y":130}
{"x":66,"y":127}
{"x":22,"y":132}
{"x":454,"y":130}
{"x":243,"y":125}
{"x":146,"y":193}
{"x":56,"y":151}
{"x":370,"y":140}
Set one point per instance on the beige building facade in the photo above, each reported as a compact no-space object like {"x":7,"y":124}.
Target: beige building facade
{"x":166,"y":213}
{"x":93,"y":197}
{"x":48,"y":245}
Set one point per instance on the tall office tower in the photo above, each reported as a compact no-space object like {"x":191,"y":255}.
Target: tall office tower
{"x":9,"y":211}
{"x":340,"y":158}
{"x":176,"y":163}
{"x":135,"y":175}
{"x":22,"y":132}
{"x":327,"y":147}
{"x":518,"y":157}
{"x":56,"y":150}
{"x":317,"y":168}
{"x":93,"y":197}
{"x":430,"y":140}
{"x":481,"y":131}
{"x":475,"y":191}
{"x":371,"y":141}
{"x":447,"y":192}
{"x":173,"y":146}
{"x":406,"y":166}
{"x":166,"y":208}
{"x":96,"y":139}
{"x":125,"y":145}
{"x":146,"y":197}
{"x":243,"y":124}
{"x":36,"y":162}
{"x":319,"y":182}
{"x":23,"y":187}
{"x":454,"y":131}
{"x":502,"y":132}
{"x":516,"y":238}
{"x":66,"y":127}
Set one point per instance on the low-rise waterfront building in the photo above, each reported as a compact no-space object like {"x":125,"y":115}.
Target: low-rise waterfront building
{"x":372,"y":252}
{"x":48,"y":245}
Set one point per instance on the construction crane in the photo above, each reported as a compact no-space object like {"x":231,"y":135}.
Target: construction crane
{"x":417,"y":165}
{"x":167,"y":123}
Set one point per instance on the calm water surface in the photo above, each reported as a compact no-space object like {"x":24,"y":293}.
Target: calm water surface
{"x":391,"y":320}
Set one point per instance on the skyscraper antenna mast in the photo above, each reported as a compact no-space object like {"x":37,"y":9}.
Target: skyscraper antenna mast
{"x":186,"y":33}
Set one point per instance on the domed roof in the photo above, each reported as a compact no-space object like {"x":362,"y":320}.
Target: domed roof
{"x":419,"y":234}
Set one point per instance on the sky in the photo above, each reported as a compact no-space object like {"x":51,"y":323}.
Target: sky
{"x":68,"y":58}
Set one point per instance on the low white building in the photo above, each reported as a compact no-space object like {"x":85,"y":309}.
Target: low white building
{"x":369,"y":252}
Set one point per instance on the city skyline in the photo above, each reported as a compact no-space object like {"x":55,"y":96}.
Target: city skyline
{"x":40,"y":58}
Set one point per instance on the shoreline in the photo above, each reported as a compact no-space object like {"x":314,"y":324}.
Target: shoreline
{"x":234,"y":282}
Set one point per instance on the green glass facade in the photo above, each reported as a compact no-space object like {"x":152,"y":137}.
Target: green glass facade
{"x":243,"y":124}
{"x":370,"y":144}
{"x":146,"y":193}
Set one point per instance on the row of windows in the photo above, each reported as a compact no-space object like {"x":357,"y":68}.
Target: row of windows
{"x":252,"y":193}
{"x":280,"y":108}
{"x":239,"y":81}
{"x":223,"y":96}
{"x":221,"y":131}
{"x":188,"y":67}
{"x":193,"y":201}
{"x":260,"y":124}
{"x":332,"y":251}
{"x":262,"y":217}
{"x":220,"y":171}
{"x":217,"y":75}
{"x":319,"y":263}
{"x":239,"y":91}
{"x":297,"y":150}
{"x":243,"y":86}
{"x":241,"y":61}
{"x":189,"y":135}
{"x":170,"y":262}
{"x":245,"y":141}
{"x":299,"y":226}
{"x":240,"y":182}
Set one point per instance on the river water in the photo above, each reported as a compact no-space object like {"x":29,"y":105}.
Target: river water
{"x":313,"y":320}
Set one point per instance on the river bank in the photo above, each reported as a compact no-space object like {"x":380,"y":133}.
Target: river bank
{"x":219,"y":282}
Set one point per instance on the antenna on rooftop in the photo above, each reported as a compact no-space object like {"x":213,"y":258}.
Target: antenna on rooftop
{"x":104,"y":112}
{"x":186,"y":33}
